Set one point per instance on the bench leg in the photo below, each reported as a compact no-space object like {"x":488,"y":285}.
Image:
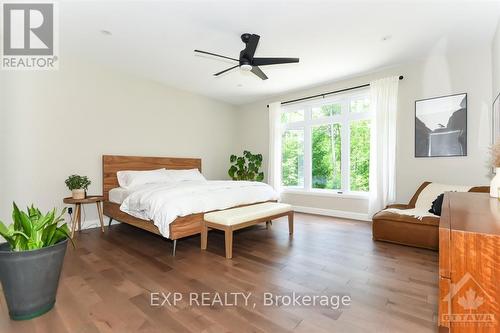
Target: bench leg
{"x":110,"y":220}
{"x":204,"y":235}
{"x":228,"y":233}
{"x":268,"y":224}
{"x":290,"y":223}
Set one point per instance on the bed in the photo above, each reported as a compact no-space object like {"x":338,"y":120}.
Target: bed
{"x":182,"y":226}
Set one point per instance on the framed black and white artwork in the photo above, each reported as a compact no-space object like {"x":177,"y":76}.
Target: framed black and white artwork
{"x":496,"y":120}
{"x":441,"y":126}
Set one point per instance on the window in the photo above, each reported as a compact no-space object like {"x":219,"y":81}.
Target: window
{"x":326,"y":144}
{"x":326,"y":156}
{"x":292,"y":160}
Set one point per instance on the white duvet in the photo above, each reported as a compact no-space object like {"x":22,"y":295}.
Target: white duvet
{"x":163,"y":203}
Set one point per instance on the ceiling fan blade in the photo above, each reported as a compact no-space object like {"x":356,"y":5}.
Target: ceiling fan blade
{"x":226,"y":70}
{"x":273,"y":61}
{"x":251,"y":46}
{"x":216,"y":55}
{"x":257,"y":71}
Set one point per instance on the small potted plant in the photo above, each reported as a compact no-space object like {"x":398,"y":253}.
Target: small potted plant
{"x":31,"y":261}
{"x":78,"y":186}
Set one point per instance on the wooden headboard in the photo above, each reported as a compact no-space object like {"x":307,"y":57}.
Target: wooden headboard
{"x":113,"y":163}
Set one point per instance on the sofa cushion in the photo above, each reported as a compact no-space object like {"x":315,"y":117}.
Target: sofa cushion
{"x":413,"y":234}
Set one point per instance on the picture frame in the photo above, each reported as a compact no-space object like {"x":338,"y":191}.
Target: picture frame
{"x":441,"y":126}
{"x":495,"y":124}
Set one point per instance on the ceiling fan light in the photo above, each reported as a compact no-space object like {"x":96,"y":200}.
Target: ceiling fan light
{"x":246,"y":67}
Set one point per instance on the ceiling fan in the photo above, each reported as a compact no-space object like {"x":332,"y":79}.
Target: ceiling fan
{"x":247,"y":61}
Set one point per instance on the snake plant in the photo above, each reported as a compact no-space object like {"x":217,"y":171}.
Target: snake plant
{"x":33,"y":230}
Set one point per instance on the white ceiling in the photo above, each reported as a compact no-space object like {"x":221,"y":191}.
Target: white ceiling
{"x":333,"y":39}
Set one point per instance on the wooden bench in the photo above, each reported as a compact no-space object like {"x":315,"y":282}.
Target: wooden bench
{"x":233,"y":219}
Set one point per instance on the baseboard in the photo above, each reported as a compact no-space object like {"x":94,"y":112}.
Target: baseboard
{"x":90,"y":224}
{"x":332,"y":212}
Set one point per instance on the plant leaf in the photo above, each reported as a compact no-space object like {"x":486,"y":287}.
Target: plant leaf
{"x":26,"y":223}
{"x":4,"y":231}
{"x":16,"y":217}
{"x":260,"y":177}
{"x":7,"y":234}
{"x":48,"y":233}
{"x":64,"y":229}
{"x":47,"y":219}
{"x":20,"y":233}
{"x":58,"y":236}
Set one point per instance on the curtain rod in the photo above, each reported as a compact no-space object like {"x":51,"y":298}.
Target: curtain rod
{"x":329,"y":93}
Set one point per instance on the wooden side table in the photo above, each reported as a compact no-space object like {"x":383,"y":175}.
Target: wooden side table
{"x":77,"y":217}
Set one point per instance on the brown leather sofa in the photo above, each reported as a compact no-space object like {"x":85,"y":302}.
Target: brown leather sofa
{"x":408,"y":230}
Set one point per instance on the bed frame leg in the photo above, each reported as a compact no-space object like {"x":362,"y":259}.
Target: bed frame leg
{"x":174,"y":246}
{"x":109,"y":223}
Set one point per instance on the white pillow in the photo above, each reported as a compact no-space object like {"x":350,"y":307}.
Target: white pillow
{"x":128,"y":179}
{"x":184,"y":175}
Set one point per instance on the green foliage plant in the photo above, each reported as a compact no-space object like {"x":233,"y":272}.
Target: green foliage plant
{"x":246,"y":167}
{"x":75,"y":182}
{"x":33,"y":230}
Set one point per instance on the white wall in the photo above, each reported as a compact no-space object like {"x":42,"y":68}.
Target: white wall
{"x":495,"y":57}
{"x":53,"y":124}
{"x":434,"y":76}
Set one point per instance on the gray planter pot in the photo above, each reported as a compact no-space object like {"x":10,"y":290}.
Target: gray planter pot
{"x":30,"y":279}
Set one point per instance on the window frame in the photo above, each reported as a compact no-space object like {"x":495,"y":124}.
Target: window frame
{"x":345,"y":118}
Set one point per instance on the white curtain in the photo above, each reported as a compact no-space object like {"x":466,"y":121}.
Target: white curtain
{"x":274,"y":165}
{"x":384,"y":103}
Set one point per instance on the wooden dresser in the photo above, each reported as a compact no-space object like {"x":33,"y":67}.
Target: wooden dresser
{"x":469,"y":263}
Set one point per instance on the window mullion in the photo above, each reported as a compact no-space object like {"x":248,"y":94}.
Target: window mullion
{"x":345,"y":146}
{"x":307,"y":149}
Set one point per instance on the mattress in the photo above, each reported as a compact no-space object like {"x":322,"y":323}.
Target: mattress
{"x":118,"y":195}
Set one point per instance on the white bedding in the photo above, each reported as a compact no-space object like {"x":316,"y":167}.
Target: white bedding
{"x":163,"y":203}
{"x":118,"y":194}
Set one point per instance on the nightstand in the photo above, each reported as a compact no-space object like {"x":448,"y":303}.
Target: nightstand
{"x":77,"y":217}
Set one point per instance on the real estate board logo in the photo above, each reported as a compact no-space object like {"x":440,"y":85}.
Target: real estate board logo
{"x":30,"y":39}
{"x":469,"y":304}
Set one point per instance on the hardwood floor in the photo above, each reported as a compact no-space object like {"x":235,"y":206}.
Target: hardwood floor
{"x":107,"y":281}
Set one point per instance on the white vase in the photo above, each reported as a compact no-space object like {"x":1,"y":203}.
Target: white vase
{"x":78,"y":193}
{"x":495,"y":184}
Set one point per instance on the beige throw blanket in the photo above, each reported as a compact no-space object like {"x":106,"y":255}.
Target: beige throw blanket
{"x":425,"y":199}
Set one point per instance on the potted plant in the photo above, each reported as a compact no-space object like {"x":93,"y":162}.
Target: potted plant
{"x":78,"y":186}
{"x":246,"y":167}
{"x":31,"y":261}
